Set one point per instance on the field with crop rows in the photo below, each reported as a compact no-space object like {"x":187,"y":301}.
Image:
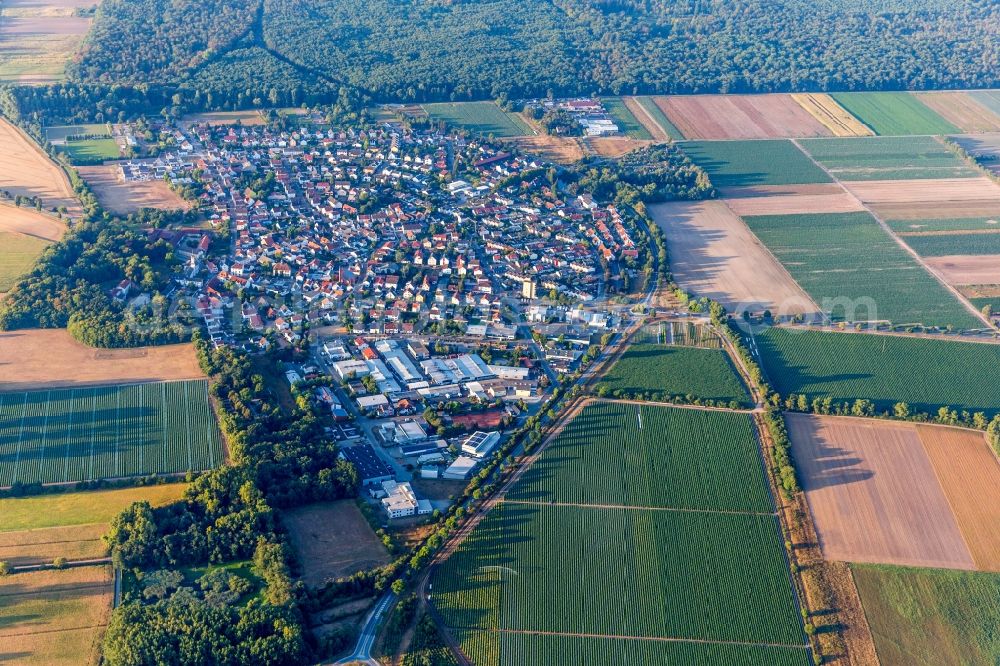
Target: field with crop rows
{"x":825,"y":109}
{"x":656,"y":113}
{"x":894,"y":113}
{"x":881,"y":368}
{"x":479,"y":117}
{"x":743,"y":163}
{"x":681,"y":458}
{"x":988,"y":98}
{"x":857,"y":272}
{"x":931,"y":616}
{"x":948,"y":244}
{"x":888,"y":158}
{"x":641,"y":524}
{"x":946,"y":224}
{"x":663,"y":370}
{"x":626,"y":121}
{"x":108,"y":432}
{"x":679,"y":334}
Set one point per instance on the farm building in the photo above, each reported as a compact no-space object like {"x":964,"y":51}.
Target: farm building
{"x":371,"y":470}
{"x":479,"y":444}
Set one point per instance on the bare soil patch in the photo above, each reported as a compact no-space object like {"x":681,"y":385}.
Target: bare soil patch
{"x":564,"y":150}
{"x":249,"y":117}
{"x":796,"y":204}
{"x":740,"y":117}
{"x":967,"y":269}
{"x":30,"y":222}
{"x":122,"y":197}
{"x":970,"y":476}
{"x":26,"y":170}
{"x":713,"y":253}
{"x":54,"y":617}
{"x":929,"y":199}
{"x":333,"y":539}
{"x":961,"y":110}
{"x":36,"y":358}
{"x":874,"y":494}
{"x":614,"y":146}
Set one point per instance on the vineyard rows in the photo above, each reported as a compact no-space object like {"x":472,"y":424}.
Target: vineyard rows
{"x":72,"y":435}
{"x":849,"y":366}
{"x":641,"y":522}
{"x":678,"y":334}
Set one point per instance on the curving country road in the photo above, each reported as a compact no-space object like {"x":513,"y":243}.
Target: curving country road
{"x":363,"y":650}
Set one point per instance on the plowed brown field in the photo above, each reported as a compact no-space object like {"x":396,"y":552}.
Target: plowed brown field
{"x":874,"y":494}
{"x":929,"y":199}
{"x":34,"y":359}
{"x":962,"y":111}
{"x":970,"y":476}
{"x":967,"y":269}
{"x":740,"y":117}
{"x":714,"y":254}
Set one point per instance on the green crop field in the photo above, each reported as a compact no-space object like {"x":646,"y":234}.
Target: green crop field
{"x":479,"y":117}
{"x":950,"y":224}
{"x":626,"y":121}
{"x":888,"y":158}
{"x":945,"y":244}
{"x":982,"y":301}
{"x":17,"y":255}
{"x":642,"y":522}
{"x":931,"y":616}
{"x":988,"y":98}
{"x":649,"y":104}
{"x":80,"y":508}
{"x":108,"y":432}
{"x":926,"y":373}
{"x":855,"y":271}
{"x":679,"y":334}
{"x":681,"y":458}
{"x":894,"y":113}
{"x":706,"y":374}
{"x":742,"y":163}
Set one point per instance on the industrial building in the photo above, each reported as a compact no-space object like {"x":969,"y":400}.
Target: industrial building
{"x":371,"y":470}
{"x":479,"y":444}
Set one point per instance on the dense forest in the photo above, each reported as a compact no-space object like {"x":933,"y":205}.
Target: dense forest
{"x":280,"y":51}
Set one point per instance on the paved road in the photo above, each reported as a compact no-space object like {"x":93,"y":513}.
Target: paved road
{"x":363,"y":650}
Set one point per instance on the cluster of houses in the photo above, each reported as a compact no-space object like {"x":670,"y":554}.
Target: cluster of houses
{"x":388,"y":230}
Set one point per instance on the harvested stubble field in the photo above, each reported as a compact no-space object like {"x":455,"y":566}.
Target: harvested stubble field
{"x":29,"y":222}
{"x":790,"y":199}
{"x":39,"y":37}
{"x":613,"y":146}
{"x":740,"y":117}
{"x":73,"y":435}
{"x":714,"y":254}
{"x":332,"y":540}
{"x":931,"y":616}
{"x":929,"y":198}
{"x":17,"y":255}
{"x":127,"y":197}
{"x":963,"y":270}
{"x":483,"y":118}
{"x":617,"y":579}
{"x":962,"y":110}
{"x":888,"y":158}
{"x":825,"y":109}
{"x":248,"y":118}
{"x":26,"y":170}
{"x":882,"y":368}
{"x":856,"y":271}
{"x":564,"y":150}
{"x":750,"y":163}
{"x":627,"y":122}
{"x":894,"y":113}
{"x":705,"y":374}
{"x":51,"y":358}
{"x":55,"y":617}
{"x":877,"y":497}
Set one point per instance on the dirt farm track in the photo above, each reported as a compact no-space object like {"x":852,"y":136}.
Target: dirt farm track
{"x":899,"y":493}
{"x":41,"y":359}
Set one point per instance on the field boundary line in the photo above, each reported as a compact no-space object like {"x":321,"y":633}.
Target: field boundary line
{"x":899,"y":241}
{"x":627,"y":507}
{"x":658,"y":639}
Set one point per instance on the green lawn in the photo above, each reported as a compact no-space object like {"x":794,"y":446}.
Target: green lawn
{"x":483,"y":118}
{"x":17,"y":255}
{"x":931,"y":616}
{"x":926,"y":373}
{"x":81,"y":508}
{"x":706,"y":374}
{"x":91,"y":151}
{"x":894,"y":113}
{"x":626,"y":121}
{"x":742,"y":163}
{"x":649,"y":104}
{"x":855,"y":271}
{"x":888,"y":158}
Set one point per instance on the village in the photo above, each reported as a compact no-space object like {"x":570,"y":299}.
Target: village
{"x":397,"y":260}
